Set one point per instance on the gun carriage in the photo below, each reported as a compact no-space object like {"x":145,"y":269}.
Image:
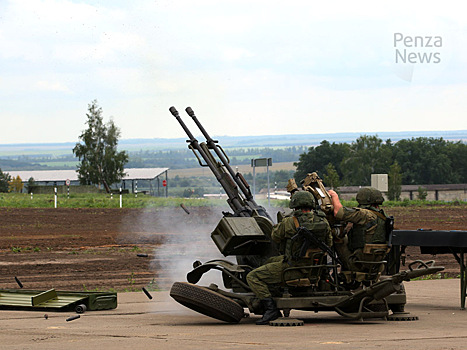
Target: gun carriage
{"x":245,"y":233}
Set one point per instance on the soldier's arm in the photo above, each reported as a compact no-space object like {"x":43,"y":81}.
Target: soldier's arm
{"x":280,"y":230}
{"x":277,"y":233}
{"x":336,"y":203}
{"x":355,"y":215}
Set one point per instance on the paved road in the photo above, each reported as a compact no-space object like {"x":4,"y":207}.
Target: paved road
{"x":160,"y":323}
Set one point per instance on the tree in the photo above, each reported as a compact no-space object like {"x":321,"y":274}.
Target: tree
{"x":429,"y":161}
{"x":422,"y":193}
{"x":331,"y":178}
{"x":15,"y":184}
{"x":395,"y":182}
{"x":4,"y":180}
{"x":368,"y":155}
{"x":317,"y":158}
{"x":30,"y":184}
{"x":100,"y":162}
{"x":457,"y":153}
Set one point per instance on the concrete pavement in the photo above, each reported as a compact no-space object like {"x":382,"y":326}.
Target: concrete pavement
{"x":140,"y":323}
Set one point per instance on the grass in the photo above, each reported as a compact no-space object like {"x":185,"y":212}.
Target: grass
{"x":102,"y":200}
{"x":25,"y":249}
{"x":98,"y":200}
{"x":435,"y":276}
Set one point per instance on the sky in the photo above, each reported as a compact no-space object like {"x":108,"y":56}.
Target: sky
{"x":246,"y":67}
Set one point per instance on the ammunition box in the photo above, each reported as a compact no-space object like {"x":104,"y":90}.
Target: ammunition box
{"x":239,"y":236}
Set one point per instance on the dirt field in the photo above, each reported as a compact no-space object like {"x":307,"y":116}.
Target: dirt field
{"x":126,"y":249}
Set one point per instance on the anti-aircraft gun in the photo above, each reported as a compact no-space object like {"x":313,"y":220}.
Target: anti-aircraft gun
{"x":245,"y":234}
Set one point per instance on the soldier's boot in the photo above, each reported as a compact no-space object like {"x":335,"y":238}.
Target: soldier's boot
{"x":271,"y":312}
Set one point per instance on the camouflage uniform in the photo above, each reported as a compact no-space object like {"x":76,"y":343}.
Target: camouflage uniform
{"x":368,"y":231}
{"x":271,"y":273}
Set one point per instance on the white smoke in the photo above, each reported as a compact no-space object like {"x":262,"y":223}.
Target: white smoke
{"x":184,"y":238}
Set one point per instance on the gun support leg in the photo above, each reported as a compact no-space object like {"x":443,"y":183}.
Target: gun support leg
{"x":462,"y":263}
{"x":463,"y":278}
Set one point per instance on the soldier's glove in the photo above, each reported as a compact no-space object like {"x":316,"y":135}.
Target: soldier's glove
{"x":292,"y":186}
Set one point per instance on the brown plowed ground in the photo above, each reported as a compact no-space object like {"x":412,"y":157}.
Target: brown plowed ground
{"x":87,"y":249}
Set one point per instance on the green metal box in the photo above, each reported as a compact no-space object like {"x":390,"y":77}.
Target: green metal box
{"x":239,"y":236}
{"x":22,"y":299}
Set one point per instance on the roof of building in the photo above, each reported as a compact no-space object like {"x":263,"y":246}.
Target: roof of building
{"x":72,"y":175}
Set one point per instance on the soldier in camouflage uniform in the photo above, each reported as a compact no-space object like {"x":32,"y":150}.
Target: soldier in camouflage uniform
{"x":367,"y":240}
{"x":305,"y":215}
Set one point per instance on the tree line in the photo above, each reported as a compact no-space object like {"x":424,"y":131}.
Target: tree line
{"x":182,"y":159}
{"x":421,"y":160}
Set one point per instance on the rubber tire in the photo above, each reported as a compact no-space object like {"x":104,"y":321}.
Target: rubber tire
{"x":207,"y":302}
{"x":80,"y":309}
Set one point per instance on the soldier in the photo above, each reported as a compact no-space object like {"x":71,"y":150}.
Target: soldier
{"x":368,"y":237}
{"x":304,"y":215}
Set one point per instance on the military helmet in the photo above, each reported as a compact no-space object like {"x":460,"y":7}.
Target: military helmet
{"x":369,"y":195}
{"x":302,"y":199}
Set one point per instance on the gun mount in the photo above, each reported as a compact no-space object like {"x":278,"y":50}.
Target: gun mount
{"x":245,"y":234}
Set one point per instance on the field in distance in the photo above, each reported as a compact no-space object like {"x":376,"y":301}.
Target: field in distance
{"x":244,"y":169}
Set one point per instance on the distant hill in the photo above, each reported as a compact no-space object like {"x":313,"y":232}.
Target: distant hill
{"x":55,"y":149}
{"x":173,"y":153}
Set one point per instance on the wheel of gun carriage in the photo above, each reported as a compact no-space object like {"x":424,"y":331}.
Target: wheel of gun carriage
{"x":206,"y":302}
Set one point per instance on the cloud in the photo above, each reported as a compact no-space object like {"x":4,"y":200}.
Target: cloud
{"x":249,"y":67}
{"x":51,"y":86}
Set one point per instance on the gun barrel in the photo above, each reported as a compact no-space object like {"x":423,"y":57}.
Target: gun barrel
{"x":234,"y":201}
{"x":239,"y":180}
{"x":175,"y":113}
{"x":212,"y":145}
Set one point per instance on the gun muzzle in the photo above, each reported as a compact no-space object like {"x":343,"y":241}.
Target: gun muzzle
{"x":189,"y":111}
{"x":174,"y":111}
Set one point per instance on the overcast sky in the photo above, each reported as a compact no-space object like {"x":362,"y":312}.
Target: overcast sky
{"x":245,"y":67}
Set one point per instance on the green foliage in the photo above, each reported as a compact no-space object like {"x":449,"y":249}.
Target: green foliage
{"x":395,"y":182}
{"x":196,"y":193}
{"x":4,"y":181}
{"x":30,"y":185}
{"x":422,"y":193}
{"x":368,"y":155}
{"x":317,"y":158}
{"x":431,"y":161}
{"x":152,"y":286}
{"x":279,"y":178}
{"x":182,"y":159}
{"x":100,"y":162}
{"x":102,"y":200}
{"x":435,"y":276}
{"x":331,"y":177}
{"x":421,"y":160}
{"x":15,"y":184}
